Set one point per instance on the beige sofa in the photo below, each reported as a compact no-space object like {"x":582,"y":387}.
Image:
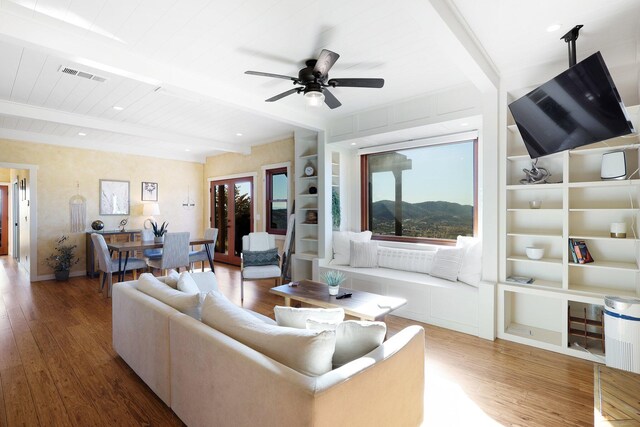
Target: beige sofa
{"x":210,"y":379}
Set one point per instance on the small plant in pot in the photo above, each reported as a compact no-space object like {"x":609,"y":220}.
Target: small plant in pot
{"x":333,"y":279}
{"x":62,"y":258}
{"x":159,"y":232}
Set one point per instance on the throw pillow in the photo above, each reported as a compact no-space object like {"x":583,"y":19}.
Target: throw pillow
{"x":187,"y":285}
{"x":416,"y":260}
{"x":354,"y":338}
{"x":171,"y":278}
{"x":471,"y":269}
{"x":446,"y":263}
{"x":257,"y":258}
{"x":297,"y":317}
{"x":306,"y":351}
{"x":341,"y":245}
{"x":206,"y":281}
{"x":363,"y":254}
{"x":188,"y":304}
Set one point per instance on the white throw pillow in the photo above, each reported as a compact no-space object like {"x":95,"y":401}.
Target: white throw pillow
{"x":172,"y":278}
{"x":187,"y":285}
{"x":206,"y":281}
{"x":354,"y":338}
{"x":446,"y":263}
{"x":306,"y":351}
{"x":186,"y":303}
{"x":297,"y":317}
{"x":363,"y":254}
{"x":471,"y":269}
{"x":405,"y":259}
{"x":341,"y":245}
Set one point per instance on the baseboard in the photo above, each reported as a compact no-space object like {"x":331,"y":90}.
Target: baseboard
{"x":52,"y":276}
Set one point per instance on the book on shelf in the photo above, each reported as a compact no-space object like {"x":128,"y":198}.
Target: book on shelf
{"x":521,"y":279}
{"x":580,"y":251}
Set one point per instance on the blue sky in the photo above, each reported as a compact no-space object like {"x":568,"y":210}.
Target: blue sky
{"x":439,"y":173}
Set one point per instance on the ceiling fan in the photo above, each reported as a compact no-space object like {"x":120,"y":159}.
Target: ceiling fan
{"x":314,"y":81}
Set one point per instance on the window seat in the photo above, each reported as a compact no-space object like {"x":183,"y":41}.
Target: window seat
{"x":439,"y":302}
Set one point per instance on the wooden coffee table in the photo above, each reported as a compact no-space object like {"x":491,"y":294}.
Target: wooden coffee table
{"x":364,"y":305}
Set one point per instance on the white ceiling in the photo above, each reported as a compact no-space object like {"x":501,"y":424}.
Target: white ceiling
{"x":177,"y":67}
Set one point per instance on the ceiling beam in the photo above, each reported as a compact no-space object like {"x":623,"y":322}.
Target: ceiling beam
{"x":15,"y":109}
{"x":67,"y":42}
{"x":462,"y":45}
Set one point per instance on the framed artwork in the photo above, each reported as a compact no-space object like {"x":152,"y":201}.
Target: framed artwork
{"x":114,"y":197}
{"x":149,"y":191}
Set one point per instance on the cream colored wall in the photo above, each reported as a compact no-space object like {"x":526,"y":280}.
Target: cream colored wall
{"x":5,"y":175}
{"x":60,"y":168}
{"x":261,"y":155}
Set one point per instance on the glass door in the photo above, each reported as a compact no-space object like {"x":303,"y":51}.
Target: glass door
{"x":4,"y":219}
{"x":232,"y":215}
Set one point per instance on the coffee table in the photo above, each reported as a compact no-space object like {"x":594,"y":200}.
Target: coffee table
{"x":364,"y":305}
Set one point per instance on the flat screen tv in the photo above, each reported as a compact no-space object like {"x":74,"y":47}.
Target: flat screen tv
{"x":578,"y":107}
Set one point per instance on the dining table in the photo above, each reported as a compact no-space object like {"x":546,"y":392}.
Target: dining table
{"x":127,"y":247}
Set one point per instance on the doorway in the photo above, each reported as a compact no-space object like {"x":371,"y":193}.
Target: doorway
{"x":4,"y":220}
{"x":232,"y":215}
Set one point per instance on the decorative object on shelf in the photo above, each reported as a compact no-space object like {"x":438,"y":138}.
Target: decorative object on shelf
{"x":150,"y":210}
{"x":534,"y":253}
{"x":114,"y":197}
{"x":123,"y":224}
{"x":614,"y":165}
{"x":77,"y":211}
{"x":189,"y":203}
{"x":535,"y":204}
{"x":333,"y":279}
{"x":335,"y":209}
{"x":309,"y":170}
{"x":619,"y":230}
{"x":97,"y":225}
{"x":313,"y":189}
{"x":149,"y":191}
{"x":159,"y":232}
{"x":521,"y":279}
{"x":535,"y":175}
{"x":62,"y":258}
{"x":311,"y":217}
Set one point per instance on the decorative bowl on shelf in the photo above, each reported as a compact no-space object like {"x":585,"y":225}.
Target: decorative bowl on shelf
{"x":534,"y":253}
{"x":535,"y":204}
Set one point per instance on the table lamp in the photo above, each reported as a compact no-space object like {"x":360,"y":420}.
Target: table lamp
{"x":150,"y":210}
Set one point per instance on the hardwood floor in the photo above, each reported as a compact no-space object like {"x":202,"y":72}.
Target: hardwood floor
{"x":57,"y":366}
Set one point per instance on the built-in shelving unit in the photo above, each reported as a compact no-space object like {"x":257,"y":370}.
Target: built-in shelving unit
{"x":575,"y":204}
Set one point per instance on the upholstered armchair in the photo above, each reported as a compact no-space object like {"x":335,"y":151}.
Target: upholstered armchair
{"x":260,"y":259}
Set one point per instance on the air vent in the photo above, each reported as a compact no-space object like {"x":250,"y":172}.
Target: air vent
{"x":83,"y":74}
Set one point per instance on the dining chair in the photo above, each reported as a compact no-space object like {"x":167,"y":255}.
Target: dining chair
{"x":175,"y":252}
{"x":147,"y":236}
{"x":108,"y":266}
{"x":264,"y":268}
{"x":201,"y":255}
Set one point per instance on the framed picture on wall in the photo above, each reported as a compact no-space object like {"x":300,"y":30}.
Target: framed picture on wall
{"x":149,"y":191}
{"x":114,"y":197}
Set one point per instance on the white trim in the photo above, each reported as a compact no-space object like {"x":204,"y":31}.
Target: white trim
{"x":53,"y":276}
{"x":253,"y":175}
{"x":264,"y":188}
{"x":33,"y":213}
{"x":421,"y":142}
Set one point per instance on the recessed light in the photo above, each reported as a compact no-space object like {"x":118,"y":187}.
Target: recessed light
{"x":186,"y":149}
{"x":82,"y":134}
{"x":238,"y":134}
{"x":353,"y":143}
{"x":554,"y":27}
{"x":464,"y":124}
{"x":117,"y":108}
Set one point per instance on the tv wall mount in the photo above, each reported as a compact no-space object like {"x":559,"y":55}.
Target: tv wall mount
{"x":570,"y":38}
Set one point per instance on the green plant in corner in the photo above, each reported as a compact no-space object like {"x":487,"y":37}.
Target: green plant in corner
{"x":335,"y":208}
{"x":62,"y":258}
{"x":159,"y":231}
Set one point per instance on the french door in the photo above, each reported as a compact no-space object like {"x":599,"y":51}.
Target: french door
{"x":232,"y":215}
{"x":4,"y":219}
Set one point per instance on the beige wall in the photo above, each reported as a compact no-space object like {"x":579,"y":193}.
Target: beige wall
{"x":60,"y":168}
{"x":237,"y":164}
{"x":5,"y":175}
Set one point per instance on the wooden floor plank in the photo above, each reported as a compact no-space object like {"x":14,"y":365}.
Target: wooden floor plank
{"x":18,"y":402}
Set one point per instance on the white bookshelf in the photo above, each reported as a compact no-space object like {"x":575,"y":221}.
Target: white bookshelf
{"x":576,"y":204}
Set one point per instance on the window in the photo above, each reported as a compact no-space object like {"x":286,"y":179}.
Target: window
{"x":421,"y":194}
{"x":276,"y":199}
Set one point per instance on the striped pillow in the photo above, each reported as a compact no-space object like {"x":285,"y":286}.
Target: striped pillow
{"x":363,"y":254}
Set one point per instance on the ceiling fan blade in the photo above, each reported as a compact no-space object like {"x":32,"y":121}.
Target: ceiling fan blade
{"x":377,"y":83}
{"x":325,"y":62}
{"x":331,"y":101}
{"x":277,"y":76}
{"x":283,"y":94}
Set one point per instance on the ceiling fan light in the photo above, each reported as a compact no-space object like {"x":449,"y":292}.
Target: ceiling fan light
{"x":314,"y":98}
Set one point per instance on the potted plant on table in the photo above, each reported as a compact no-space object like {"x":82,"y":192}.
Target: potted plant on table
{"x":333,"y":279}
{"x":159,"y":232}
{"x":62,"y":259}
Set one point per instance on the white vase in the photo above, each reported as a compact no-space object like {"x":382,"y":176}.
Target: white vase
{"x":158,"y":239}
{"x":333,"y":290}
